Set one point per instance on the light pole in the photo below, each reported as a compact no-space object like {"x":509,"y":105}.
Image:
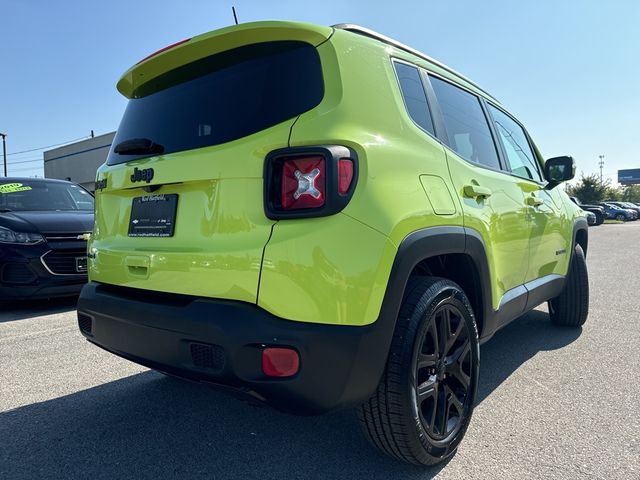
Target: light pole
{"x":601,"y":163}
{"x":4,"y":151}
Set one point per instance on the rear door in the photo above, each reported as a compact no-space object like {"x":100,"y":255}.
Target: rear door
{"x":492,"y":201}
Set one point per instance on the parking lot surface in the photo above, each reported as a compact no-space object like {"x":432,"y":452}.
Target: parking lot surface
{"x":553,"y":403}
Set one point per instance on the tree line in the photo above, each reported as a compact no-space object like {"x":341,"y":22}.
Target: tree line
{"x":590,"y":189}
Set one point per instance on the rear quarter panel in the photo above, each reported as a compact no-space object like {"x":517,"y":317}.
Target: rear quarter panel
{"x":338,"y":266}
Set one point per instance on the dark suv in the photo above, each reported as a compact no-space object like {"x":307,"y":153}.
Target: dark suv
{"x":44,"y":228}
{"x":597,"y":210}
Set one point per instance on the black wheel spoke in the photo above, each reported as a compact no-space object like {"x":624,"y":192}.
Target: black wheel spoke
{"x":432,"y":419}
{"x":455,"y":335}
{"x":460,"y":353}
{"x":435,"y":334}
{"x":454,"y":401}
{"x":427,"y":360}
{"x":427,"y":390}
{"x":462,"y":377}
{"x":456,"y":369}
{"x":446,"y":331}
{"x":442,"y":412}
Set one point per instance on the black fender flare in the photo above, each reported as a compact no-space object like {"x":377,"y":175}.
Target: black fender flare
{"x":580,"y":227}
{"x":431,"y":242}
{"x":416,"y":247}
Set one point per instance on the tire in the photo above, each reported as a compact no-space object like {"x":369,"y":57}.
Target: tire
{"x":621,"y":218}
{"x":420,"y":378}
{"x":571,"y":307}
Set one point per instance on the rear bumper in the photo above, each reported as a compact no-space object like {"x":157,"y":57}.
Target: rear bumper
{"x":221,"y":342}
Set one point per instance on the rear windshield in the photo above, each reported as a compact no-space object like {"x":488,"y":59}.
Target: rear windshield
{"x":25,"y":195}
{"x":220,"y":98}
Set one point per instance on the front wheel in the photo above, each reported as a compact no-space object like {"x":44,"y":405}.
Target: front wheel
{"x":621,"y":218}
{"x":571,"y":307}
{"x":423,"y":404}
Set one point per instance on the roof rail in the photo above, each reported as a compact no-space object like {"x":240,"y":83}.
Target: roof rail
{"x":351,"y":27}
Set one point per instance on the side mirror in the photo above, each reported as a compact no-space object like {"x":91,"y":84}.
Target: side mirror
{"x":558,"y":170}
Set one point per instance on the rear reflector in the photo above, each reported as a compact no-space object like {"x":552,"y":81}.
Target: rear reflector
{"x":164,"y":50}
{"x":303,"y":182}
{"x":345,"y":175}
{"x":280,"y":362}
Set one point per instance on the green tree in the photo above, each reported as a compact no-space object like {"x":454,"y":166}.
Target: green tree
{"x":590,"y":189}
{"x":631,"y":193}
{"x":614,"y":193}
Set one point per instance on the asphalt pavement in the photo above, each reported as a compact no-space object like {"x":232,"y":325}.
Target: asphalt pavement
{"x":553,"y":403}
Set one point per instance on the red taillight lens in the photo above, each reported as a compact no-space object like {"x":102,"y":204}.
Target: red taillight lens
{"x":309,"y":181}
{"x":280,"y":362}
{"x":168,"y":47}
{"x":345,"y":175}
{"x":303,"y":183}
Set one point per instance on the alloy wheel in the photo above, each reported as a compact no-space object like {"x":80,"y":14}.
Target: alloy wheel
{"x":443,"y":368}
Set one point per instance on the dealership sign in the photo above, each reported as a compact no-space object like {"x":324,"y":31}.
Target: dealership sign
{"x":629,"y":177}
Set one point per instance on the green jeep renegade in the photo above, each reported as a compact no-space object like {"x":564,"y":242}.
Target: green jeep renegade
{"x":321,"y":218}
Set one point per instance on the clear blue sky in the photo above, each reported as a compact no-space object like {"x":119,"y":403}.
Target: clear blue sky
{"x":569,"y":70}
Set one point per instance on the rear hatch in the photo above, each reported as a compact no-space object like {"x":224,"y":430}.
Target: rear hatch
{"x":181,"y":204}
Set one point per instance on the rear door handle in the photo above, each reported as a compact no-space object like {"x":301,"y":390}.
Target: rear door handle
{"x":534,"y":201}
{"x":475,"y":191}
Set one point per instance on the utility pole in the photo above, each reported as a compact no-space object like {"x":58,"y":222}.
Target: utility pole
{"x":4,"y":151}
{"x":601,"y":163}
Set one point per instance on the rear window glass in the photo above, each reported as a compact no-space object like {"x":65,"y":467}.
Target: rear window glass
{"x":220,"y":98}
{"x":414,"y":96}
{"x":467,"y":127}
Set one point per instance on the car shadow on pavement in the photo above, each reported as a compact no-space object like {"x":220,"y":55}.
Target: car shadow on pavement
{"x":151,"y":426}
{"x":26,"y":309}
{"x":515,"y":344}
{"x":148,"y":425}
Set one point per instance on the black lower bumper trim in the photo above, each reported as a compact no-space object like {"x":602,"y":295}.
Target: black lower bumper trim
{"x":340,"y":366}
{"x":40,"y":291}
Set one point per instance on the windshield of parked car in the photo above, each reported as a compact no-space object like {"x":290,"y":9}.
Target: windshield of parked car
{"x":25,"y":195}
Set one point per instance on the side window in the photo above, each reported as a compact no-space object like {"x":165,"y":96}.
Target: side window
{"x":467,"y":127}
{"x":521,"y":158}
{"x":414,"y":96}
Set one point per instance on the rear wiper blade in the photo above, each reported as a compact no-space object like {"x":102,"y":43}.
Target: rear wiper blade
{"x":3,"y":210}
{"x":138,"y":146}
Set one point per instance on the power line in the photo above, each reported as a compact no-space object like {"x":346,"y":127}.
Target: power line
{"x":26,"y":161}
{"x":27,"y":156}
{"x":49,"y":146}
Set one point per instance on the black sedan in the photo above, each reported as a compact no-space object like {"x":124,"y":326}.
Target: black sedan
{"x":44,"y":227}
